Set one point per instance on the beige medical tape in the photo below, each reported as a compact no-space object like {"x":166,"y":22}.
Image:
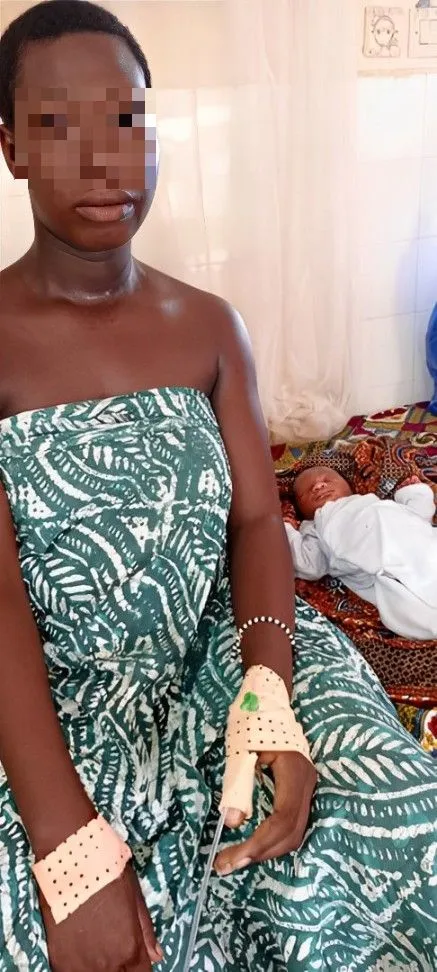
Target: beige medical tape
{"x":260,"y":720}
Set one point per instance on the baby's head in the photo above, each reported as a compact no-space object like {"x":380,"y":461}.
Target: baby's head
{"x":316,"y":486}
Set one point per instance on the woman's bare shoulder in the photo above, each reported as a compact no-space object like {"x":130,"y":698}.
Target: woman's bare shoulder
{"x":190,"y":296}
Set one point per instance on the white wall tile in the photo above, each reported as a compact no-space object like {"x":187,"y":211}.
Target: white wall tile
{"x":384,"y":350}
{"x":422,"y":381}
{"x":387,"y":279}
{"x":378,"y":398}
{"x":428,"y":201}
{"x":397,"y":235}
{"x":391,"y":117}
{"x":426,"y":295}
{"x":388,"y":200}
{"x":421,"y":393}
{"x":392,"y":396}
{"x":430,"y":128}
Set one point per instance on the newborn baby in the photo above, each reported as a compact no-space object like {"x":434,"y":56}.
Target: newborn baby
{"x":384,"y":550}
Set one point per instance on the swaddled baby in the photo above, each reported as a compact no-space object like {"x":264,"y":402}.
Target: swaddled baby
{"x":383,"y":550}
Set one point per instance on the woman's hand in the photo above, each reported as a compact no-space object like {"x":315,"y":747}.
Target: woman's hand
{"x":112,"y":932}
{"x":295,"y":781}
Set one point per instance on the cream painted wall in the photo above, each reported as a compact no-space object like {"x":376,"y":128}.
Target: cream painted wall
{"x":194,"y":51}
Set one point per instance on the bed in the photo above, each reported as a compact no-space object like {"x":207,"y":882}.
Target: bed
{"x":376,"y":452}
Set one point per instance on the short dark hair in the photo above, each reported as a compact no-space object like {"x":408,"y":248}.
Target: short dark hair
{"x":46,"y":21}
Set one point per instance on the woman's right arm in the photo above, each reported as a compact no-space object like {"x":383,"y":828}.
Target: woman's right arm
{"x":114,"y":926}
{"x":47,"y":790}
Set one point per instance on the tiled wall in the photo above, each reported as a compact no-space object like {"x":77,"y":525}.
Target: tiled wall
{"x":397,"y":238}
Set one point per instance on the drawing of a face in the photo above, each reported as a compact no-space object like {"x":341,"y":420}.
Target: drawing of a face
{"x":384,"y":31}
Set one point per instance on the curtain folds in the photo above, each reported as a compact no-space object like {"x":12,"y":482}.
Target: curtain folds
{"x":256,"y":189}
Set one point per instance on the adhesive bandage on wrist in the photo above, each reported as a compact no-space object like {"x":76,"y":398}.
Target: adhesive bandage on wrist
{"x":84,"y":864}
{"x":260,"y":720}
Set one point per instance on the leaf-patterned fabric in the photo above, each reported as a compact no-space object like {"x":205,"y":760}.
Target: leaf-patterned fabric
{"x":120,"y":509}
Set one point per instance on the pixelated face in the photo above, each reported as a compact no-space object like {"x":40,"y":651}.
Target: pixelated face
{"x":85,"y":138}
{"x":103,"y":136}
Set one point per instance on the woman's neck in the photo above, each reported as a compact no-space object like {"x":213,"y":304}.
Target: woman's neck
{"x":57,"y":271}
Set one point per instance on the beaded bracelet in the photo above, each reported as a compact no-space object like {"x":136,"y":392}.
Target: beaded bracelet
{"x":266,"y":619}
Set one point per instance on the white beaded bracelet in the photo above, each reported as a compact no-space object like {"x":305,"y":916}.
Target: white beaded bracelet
{"x":266,"y":619}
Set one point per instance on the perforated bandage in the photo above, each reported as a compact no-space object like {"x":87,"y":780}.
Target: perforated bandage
{"x":260,"y":720}
{"x":84,"y":864}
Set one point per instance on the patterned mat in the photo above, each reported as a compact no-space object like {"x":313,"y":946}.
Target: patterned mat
{"x":412,"y":423}
{"x":375,"y":453}
{"x":422,"y":723}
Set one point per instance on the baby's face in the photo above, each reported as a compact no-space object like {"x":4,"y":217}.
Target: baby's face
{"x":317,"y":486}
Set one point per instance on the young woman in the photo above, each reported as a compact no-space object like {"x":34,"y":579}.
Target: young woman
{"x":133,"y":460}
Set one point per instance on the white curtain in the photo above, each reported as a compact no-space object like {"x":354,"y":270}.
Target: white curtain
{"x":255,"y":197}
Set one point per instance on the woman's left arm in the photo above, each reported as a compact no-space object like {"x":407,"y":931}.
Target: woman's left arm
{"x":262,"y":573}
{"x":262,"y":579}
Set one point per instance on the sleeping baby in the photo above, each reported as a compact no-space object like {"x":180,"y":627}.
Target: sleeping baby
{"x":383,"y":550}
